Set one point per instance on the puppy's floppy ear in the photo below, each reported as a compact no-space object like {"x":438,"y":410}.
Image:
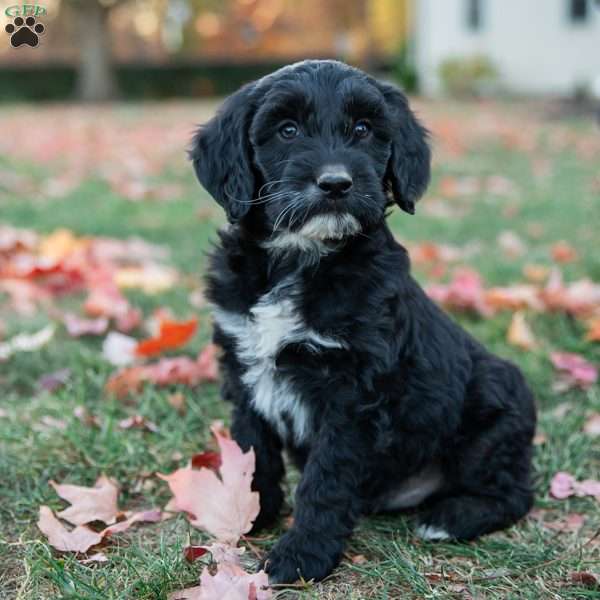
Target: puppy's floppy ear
{"x":409,"y":165}
{"x":221,"y":155}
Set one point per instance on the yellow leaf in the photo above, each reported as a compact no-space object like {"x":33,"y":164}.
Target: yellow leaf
{"x":519,"y":333}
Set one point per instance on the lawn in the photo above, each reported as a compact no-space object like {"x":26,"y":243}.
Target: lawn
{"x":121,"y":171}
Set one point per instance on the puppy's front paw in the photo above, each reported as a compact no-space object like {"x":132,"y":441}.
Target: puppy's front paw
{"x":297,"y":555}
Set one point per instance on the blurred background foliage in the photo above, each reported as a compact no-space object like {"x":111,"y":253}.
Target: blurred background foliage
{"x":102,"y":49}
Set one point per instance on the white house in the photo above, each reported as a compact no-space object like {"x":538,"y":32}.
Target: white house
{"x":538,"y":46}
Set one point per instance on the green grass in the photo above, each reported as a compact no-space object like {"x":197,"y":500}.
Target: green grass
{"x":526,"y":561}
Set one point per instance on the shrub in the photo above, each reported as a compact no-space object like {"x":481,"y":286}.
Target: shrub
{"x":468,"y":76}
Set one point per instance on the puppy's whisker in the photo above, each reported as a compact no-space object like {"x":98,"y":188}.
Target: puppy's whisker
{"x":295,"y":212}
{"x":275,"y":182}
{"x":281,"y":216}
{"x":261,"y":199}
{"x":290,"y":207}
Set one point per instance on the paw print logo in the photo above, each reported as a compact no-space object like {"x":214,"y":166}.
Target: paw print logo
{"x":24,"y":31}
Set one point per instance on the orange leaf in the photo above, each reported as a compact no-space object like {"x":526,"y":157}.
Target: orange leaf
{"x":172,"y":334}
{"x":514,"y":297}
{"x":563,"y":252}
{"x":167,"y":371}
{"x":593,"y":332}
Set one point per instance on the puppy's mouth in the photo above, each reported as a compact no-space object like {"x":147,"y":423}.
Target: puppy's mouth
{"x":330,"y":226}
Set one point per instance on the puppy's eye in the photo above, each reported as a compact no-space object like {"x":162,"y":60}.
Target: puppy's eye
{"x":362,"y":128}
{"x":288,"y":130}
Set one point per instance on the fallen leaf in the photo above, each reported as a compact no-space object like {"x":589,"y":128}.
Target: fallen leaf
{"x":225,"y":553}
{"x":77,"y":327}
{"x":514,"y":297}
{"x":172,"y":334}
{"x":536,"y":273}
{"x":464,"y":292}
{"x":430,"y":252}
{"x":570,"y":523}
{"x":588,"y":487}
{"x":146,"y":516}
{"x":592,"y":425}
{"x":25,"y":296}
{"x":138,"y":422}
{"x":192,"y":593}
{"x":563,"y":409}
{"x":13,"y":239}
{"x":106,"y":300}
{"x":520,"y":334}
{"x":150,"y":278}
{"x":233,"y":583}
{"x":167,"y":371}
{"x":97,"y":503}
{"x":54,"y":381}
{"x":192,"y":553}
{"x":80,"y":539}
{"x":53,"y":423}
{"x":178,"y":401}
{"x":224,"y":507}
{"x":26,"y":342}
{"x":207,"y":363}
{"x":59,"y":244}
{"x":589,"y":580}
{"x":593,"y":330}
{"x":454,"y":187}
{"x":81,"y":413}
{"x":563,"y":252}
{"x":575,"y":370}
{"x":564,"y":485}
{"x":209,"y":460}
{"x":511,"y":244}
{"x":580,"y":298}
{"x":126,"y":381}
{"x":358,"y":559}
{"x":99,"y":557}
{"x":119,"y":349}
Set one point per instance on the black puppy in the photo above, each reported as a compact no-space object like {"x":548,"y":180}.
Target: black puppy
{"x":331,"y":349}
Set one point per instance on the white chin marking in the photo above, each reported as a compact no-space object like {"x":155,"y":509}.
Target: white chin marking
{"x":311,"y":237}
{"x":428,"y":532}
{"x":330,"y":227}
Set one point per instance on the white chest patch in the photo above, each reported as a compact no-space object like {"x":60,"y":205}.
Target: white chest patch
{"x":273,"y":323}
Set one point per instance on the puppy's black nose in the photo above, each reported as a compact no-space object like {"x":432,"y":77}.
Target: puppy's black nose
{"x":336,"y":183}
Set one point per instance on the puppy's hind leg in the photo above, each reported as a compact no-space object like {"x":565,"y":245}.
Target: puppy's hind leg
{"x":496,"y":495}
{"x":467,"y":517}
{"x":488,"y":480}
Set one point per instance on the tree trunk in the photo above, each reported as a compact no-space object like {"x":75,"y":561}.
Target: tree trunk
{"x":96,"y":80}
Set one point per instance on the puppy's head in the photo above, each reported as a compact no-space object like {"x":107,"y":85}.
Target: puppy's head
{"x":316,"y":150}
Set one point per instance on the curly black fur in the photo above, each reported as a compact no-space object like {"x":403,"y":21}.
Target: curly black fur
{"x":377,"y":394}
